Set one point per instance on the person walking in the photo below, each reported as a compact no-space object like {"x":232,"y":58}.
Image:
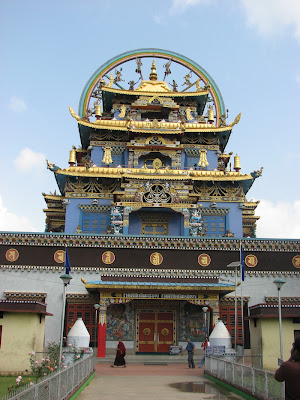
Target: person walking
{"x":120,"y":355}
{"x":204,"y":345}
{"x":289,"y":372}
{"x":190,"y":348}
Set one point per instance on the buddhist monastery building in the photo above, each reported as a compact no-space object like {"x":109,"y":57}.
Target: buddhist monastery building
{"x":152,"y":207}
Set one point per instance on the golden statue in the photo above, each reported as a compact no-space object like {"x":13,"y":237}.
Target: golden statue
{"x":189,"y":115}
{"x":111,"y":80}
{"x":122,"y":111}
{"x":107,"y":156}
{"x":203,"y":159}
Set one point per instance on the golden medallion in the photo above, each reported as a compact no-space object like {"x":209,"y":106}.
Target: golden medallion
{"x":156,"y":258}
{"x":59,"y":256}
{"x":251,"y":261}
{"x":108,"y":257}
{"x":296,"y":261}
{"x":12,"y":255}
{"x":146,"y":331}
{"x":165,"y":332}
{"x":204,"y":260}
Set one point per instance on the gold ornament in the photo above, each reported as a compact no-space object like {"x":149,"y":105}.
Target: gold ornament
{"x":107,"y":156}
{"x":203,"y":159}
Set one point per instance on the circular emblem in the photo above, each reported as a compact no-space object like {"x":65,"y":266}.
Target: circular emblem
{"x":59,"y":256}
{"x":204,"y":260}
{"x":108,"y":257}
{"x":165,"y":332}
{"x":146,"y":331}
{"x":156,"y":258}
{"x":12,"y":255}
{"x":251,"y":261}
{"x":296,"y":261}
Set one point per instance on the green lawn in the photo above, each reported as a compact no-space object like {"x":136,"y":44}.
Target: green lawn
{"x":6,"y":381}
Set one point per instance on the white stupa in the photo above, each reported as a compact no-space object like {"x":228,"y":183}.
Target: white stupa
{"x":78,"y":334}
{"x":220,"y":336}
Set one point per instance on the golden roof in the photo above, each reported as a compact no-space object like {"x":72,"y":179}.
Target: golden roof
{"x":157,"y":87}
{"x":151,"y":126}
{"x":153,"y":87}
{"x":151,"y":173}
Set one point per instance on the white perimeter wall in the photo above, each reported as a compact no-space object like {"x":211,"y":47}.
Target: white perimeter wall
{"x":16,"y":280}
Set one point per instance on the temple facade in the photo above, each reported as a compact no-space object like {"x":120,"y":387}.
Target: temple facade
{"x":153,"y":158}
{"x":152,"y":210}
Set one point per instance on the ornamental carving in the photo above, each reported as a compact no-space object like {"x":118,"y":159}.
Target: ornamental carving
{"x":233,"y":192}
{"x":157,"y":194}
{"x":120,"y":136}
{"x":195,"y":138}
{"x":92,"y":185}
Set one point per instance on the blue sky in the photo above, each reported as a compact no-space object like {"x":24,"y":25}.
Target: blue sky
{"x":49,"y":49}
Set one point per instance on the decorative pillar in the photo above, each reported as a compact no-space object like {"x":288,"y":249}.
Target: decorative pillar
{"x":102,"y":329}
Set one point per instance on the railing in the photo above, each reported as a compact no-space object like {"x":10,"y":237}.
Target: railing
{"x":258,"y":382}
{"x":57,"y":386}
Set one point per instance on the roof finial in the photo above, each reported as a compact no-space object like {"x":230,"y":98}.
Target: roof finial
{"x":153,"y":75}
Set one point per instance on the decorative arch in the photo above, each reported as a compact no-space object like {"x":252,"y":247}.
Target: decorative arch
{"x":158,"y":53}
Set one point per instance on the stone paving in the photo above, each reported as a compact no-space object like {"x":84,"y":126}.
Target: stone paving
{"x":139,"y":381}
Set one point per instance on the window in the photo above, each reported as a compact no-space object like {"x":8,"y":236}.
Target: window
{"x":214,"y":226}
{"x":228,"y":317}
{"x":154,"y":229}
{"x":87,"y":313}
{"x":95,"y":222}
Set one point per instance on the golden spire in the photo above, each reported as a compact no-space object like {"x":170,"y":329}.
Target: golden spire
{"x":107,"y":156}
{"x":153,"y":75}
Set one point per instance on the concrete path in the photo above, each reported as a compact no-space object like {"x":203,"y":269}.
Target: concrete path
{"x":145,"y":382}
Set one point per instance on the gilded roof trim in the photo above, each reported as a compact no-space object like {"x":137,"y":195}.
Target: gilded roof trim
{"x":151,"y":93}
{"x":136,"y":173}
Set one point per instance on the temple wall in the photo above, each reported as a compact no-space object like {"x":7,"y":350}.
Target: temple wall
{"x":33,"y":280}
{"x":21,"y":333}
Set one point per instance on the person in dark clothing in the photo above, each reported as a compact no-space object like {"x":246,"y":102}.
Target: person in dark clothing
{"x":120,"y":356}
{"x":190,"y":348}
{"x":289,"y":372}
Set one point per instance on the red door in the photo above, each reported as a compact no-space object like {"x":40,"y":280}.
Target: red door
{"x":155,"y":331}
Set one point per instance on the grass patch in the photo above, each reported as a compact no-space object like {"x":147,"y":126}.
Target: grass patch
{"x":7,"y":381}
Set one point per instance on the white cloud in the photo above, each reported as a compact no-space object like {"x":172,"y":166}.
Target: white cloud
{"x":179,"y":6}
{"x":28,"y":160}
{"x":271,"y":17}
{"x":13,"y":222}
{"x":17,"y":105}
{"x":278,"y":220}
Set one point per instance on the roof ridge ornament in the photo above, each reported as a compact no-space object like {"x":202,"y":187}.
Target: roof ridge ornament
{"x":236,"y":120}
{"x":153,"y":75}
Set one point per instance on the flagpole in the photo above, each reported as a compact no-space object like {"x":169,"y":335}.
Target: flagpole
{"x":235,"y":310}
{"x":242,"y":302}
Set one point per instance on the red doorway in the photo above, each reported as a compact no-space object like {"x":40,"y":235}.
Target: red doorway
{"x":155,"y":331}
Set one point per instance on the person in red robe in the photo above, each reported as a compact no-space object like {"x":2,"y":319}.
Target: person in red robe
{"x":120,"y":355}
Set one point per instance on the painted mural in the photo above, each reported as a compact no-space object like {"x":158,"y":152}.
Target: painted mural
{"x":191,"y":323}
{"x":119,"y":322}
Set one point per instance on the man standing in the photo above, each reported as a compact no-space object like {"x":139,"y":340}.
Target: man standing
{"x":190,"y":348}
{"x":289,"y":372}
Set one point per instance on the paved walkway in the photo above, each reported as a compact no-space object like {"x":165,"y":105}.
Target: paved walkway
{"x":145,"y":382}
